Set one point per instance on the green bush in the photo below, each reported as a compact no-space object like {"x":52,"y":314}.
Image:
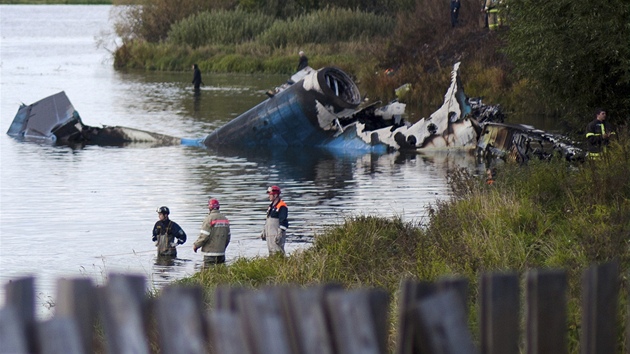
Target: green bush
{"x":219,"y":27}
{"x":327,"y":26}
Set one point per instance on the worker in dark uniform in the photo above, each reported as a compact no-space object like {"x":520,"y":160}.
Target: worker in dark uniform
{"x":455,"y":6}
{"x":167,"y":234}
{"x":277,"y":223}
{"x":598,"y":134}
{"x":303,"y":61}
{"x":196,"y":81}
{"x":214,"y":236}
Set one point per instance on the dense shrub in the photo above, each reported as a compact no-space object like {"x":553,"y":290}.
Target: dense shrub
{"x":219,"y":27}
{"x":575,"y":53}
{"x":327,"y":26}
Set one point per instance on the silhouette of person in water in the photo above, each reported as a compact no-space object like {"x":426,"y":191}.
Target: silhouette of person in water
{"x":196,"y":81}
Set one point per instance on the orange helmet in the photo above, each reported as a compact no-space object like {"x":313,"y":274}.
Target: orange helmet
{"x":273,"y":190}
{"x":213,"y":204}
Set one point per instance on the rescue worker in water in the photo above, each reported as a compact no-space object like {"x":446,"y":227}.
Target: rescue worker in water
{"x":214,"y":236}
{"x":167,"y":234}
{"x":276,"y":224}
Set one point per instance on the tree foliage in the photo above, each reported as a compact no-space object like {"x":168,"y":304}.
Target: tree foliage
{"x":575,"y":53}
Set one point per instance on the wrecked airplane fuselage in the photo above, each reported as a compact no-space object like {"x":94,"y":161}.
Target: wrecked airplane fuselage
{"x":320,"y":110}
{"x":54,"y":120}
{"x":303,"y":114}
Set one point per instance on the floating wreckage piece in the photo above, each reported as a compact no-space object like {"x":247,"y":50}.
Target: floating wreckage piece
{"x":520,"y":143}
{"x":54,"y":120}
{"x":321,"y":110}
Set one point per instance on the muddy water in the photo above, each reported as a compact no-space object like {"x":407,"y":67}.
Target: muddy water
{"x":89,"y":212}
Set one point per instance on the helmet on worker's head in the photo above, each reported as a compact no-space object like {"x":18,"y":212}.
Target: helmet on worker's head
{"x":273,"y":190}
{"x":213,"y":204}
{"x":163,"y":210}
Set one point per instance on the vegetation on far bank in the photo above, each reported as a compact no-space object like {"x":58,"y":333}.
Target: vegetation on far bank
{"x":564,"y":58}
{"x":542,"y":215}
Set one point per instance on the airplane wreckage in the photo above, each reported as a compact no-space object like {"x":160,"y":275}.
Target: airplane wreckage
{"x":323,"y":109}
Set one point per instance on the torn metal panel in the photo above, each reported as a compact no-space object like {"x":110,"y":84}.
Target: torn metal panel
{"x":520,"y":143}
{"x":54,"y":120}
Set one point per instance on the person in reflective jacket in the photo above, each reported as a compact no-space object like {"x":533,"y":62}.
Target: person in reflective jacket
{"x":214,"y":236}
{"x":598,"y":134}
{"x":277,"y":223}
{"x":167,"y":234}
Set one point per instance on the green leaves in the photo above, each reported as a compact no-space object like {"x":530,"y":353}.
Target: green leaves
{"x":577,"y":52}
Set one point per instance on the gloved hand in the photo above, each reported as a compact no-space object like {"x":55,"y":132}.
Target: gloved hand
{"x":280,"y":236}
{"x":154,"y":239}
{"x":262,"y":236}
{"x":180,"y":242}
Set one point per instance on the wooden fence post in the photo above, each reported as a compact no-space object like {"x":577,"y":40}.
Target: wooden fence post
{"x":12,"y":332}
{"x":442,"y":325}
{"x":20,"y":294}
{"x":600,"y":290}
{"x":60,"y":335}
{"x":459,"y":285}
{"x":499,"y":313}
{"x":180,"y":320}
{"x":226,"y":298}
{"x":227,"y":333}
{"x":265,"y":326}
{"x":122,"y":309}
{"x":309,"y":320}
{"x":410,"y":292}
{"x":357,"y":320}
{"x":76,"y":299}
{"x":546,"y":312}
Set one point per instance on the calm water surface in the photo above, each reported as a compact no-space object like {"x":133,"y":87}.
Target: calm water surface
{"x":89,"y":212}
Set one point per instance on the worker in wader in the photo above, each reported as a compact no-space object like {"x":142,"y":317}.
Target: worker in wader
{"x":167,"y":234}
{"x":276,"y":224}
{"x":214,"y":236}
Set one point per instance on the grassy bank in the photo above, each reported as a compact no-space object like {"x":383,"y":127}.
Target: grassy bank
{"x":544,"y":215}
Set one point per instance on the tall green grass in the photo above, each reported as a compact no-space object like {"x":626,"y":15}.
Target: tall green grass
{"x":327,"y":26}
{"x":219,"y":28}
{"x":542,"y":215}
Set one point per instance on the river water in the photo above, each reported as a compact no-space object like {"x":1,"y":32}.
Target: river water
{"x":89,"y":212}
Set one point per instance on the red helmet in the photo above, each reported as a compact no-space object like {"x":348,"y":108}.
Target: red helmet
{"x":213,"y":204}
{"x":273,"y":190}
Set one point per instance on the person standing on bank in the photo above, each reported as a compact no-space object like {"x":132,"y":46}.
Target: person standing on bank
{"x":303,"y":61}
{"x":276,"y":224}
{"x":196,"y":81}
{"x":214,"y":236}
{"x":455,"y":5}
{"x":598,"y":133}
{"x":167,"y":234}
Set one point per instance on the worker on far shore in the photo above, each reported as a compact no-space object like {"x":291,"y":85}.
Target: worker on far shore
{"x":303,"y":61}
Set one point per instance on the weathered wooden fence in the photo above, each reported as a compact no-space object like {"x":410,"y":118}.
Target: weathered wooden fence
{"x":432,"y":317}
